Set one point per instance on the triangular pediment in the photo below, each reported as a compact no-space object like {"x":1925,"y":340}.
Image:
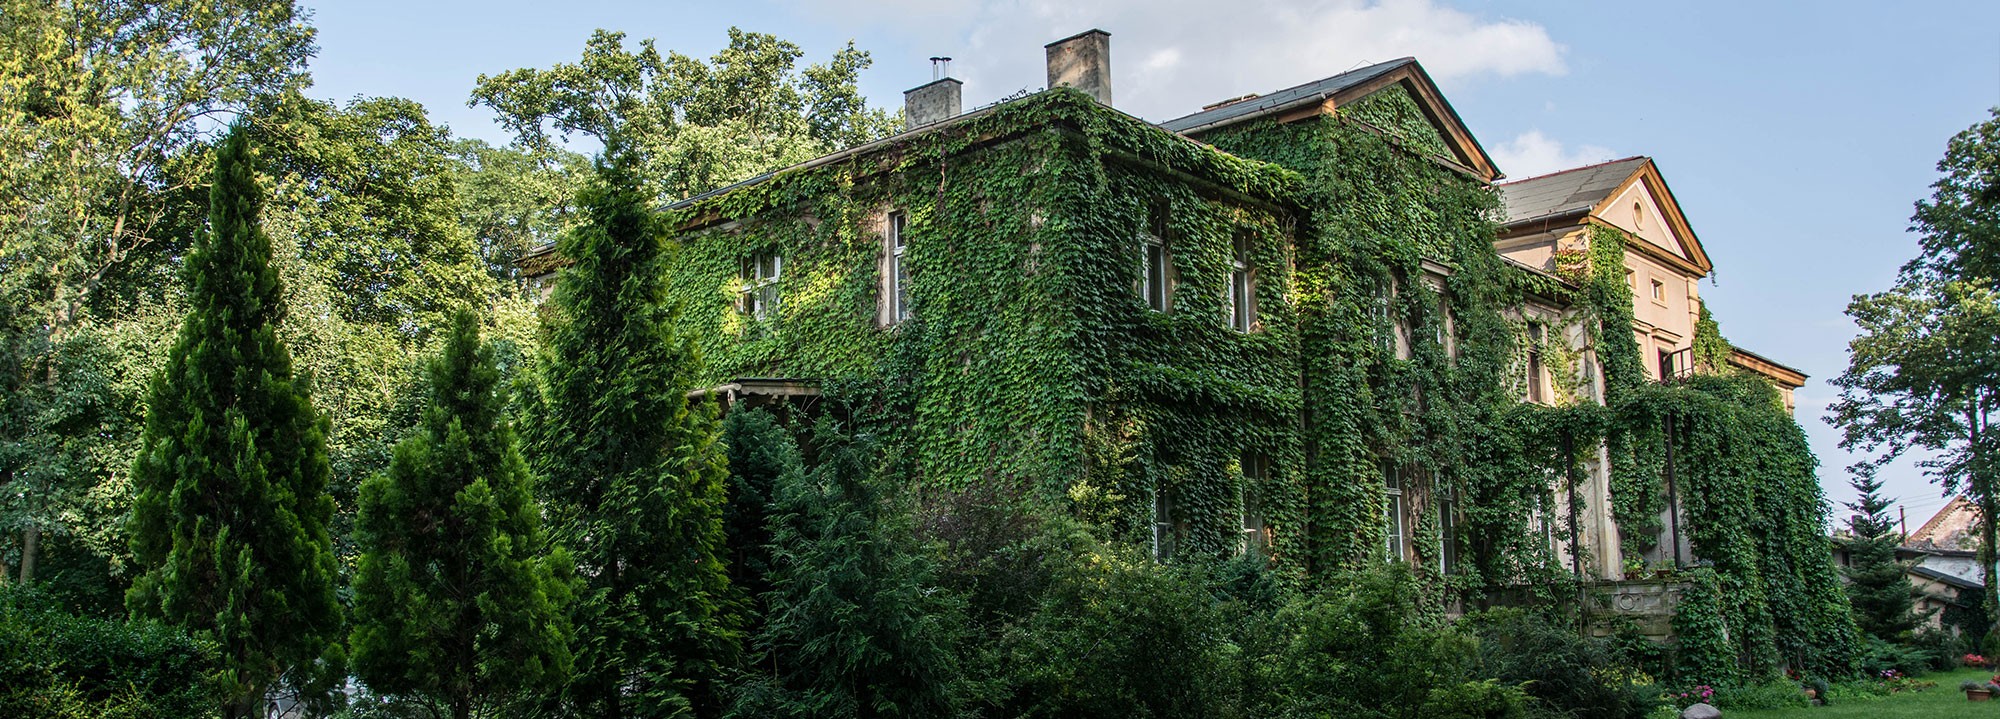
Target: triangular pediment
{"x":1644,"y":207}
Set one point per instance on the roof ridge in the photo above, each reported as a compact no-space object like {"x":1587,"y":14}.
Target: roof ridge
{"x":1580,"y":168}
{"x":1259,"y":96}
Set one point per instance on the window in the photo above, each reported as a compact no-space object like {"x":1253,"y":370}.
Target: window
{"x":1667,"y":364}
{"x":1537,"y":389}
{"x":760,"y":285}
{"x":1163,"y":524}
{"x":1254,"y":537}
{"x":1441,"y":329}
{"x":1154,"y":263}
{"x":1447,"y":531}
{"x":1241,"y":297}
{"x":898,"y":274}
{"x":1378,"y":310}
{"x":1392,"y":482}
{"x":1659,"y":291}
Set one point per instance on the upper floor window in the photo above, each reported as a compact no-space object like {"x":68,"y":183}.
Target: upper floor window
{"x":1155,"y":265}
{"x":1659,"y":291}
{"x":759,"y":277}
{"x":1379,"y":310}
{"x":1163,"y":524}
{"x":1538,"y":391}
{"x":897,"y":273}
{"x":1241,"y":296}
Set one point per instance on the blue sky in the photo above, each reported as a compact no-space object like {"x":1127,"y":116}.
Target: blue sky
{"x":1796,"y":136}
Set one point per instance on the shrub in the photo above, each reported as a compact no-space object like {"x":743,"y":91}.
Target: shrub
{"x":1117,"y":635}
{"x":1878,"y":657}
{"x":1563,"y":673}
{"x":1773,"y":695}
{"x":1364,"y":649}
{"x":55,"y":664}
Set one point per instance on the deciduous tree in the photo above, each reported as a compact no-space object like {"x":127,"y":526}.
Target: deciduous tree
{"x":698,"y":125}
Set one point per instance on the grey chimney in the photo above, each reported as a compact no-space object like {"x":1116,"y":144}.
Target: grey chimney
{"x":1082,"y":61}
{"x":935,"y":101}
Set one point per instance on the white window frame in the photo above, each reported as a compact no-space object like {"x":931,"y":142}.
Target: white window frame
{"x":1250,"y":511}
{"x":1241,"y":294}
{"x":1537,"y":372}
{"x":1155,"y":265}
{"x":1398,"y":534}
{"x":1448,"y":558}
{"x":760,"y":276}
{"x":896,"y":275}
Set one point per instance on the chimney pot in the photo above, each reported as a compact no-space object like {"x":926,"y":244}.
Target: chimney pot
{"x":932,"y":102}
{"x":1082,"y":61}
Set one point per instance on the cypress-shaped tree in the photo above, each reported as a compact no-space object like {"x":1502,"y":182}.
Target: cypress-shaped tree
{"x":229,"y":523}
{"x":632,"y":470}
{"x":855,"y":623}
{"x":1883,"y":598}
{"x":761,"y":455}
{"x":457,"y":596}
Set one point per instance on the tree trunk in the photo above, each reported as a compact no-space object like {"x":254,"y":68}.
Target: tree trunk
{"x":31,"y":538}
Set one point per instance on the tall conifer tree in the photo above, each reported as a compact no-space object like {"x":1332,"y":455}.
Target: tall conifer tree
{"x":634,"y":475}
{"x":230,"y":517}
{"x":456,"y":596}
{"x":1884,"y":601}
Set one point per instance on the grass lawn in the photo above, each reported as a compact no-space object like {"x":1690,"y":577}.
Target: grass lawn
{"x":1943,"y":701}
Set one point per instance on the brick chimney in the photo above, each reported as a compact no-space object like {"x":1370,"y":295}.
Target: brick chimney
{"x":935,"y":101}
{"x":1082,"y":61}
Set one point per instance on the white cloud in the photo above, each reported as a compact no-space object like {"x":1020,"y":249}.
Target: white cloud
{"x":1533,"y":153}
{"x":1178,"y":55}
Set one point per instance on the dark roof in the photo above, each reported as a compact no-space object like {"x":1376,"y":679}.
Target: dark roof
{"x":1945,"y":579}
{"x":1310,"y":93}
{"x":1566,"y":192}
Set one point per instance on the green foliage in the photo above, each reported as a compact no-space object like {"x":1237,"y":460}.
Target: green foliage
{"x":699,"y":125}
{"x":456,"y":595}
{"x":1705,"y":653}
{"x":104,"y":112}
{"x":1921,"y":375}
{"x":633,"y":476}
{"x":1117,"y":635}
{"x":1877,"y":584}
{"x":762,"y":455}
{"x":1364,"y":650}
{"x":1564,"y":674}
{"x":1711,"y":351}
{"x":855,"y":624}
{"x":513,"y":200}
{"x":231,"y":511}
{"x":61,"y":666}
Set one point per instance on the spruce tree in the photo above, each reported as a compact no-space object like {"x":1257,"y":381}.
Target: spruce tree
{"x":1882,"y":596}
{"x":456,"y":595}
{"x":230,"y":516}
{"x":632,"y":470}
{"x":855,"y":623}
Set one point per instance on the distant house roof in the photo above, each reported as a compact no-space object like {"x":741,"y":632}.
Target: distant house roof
{"x":1321,"y":97}
{"x":1945,"y":529}
{"x":1569,"y":192}
{"x":1950,"y":580}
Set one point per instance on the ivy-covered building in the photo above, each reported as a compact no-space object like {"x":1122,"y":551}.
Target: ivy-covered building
{"x":1277,"y":325}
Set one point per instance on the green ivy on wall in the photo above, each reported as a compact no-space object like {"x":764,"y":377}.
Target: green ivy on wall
{"x":1388,"y":334}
